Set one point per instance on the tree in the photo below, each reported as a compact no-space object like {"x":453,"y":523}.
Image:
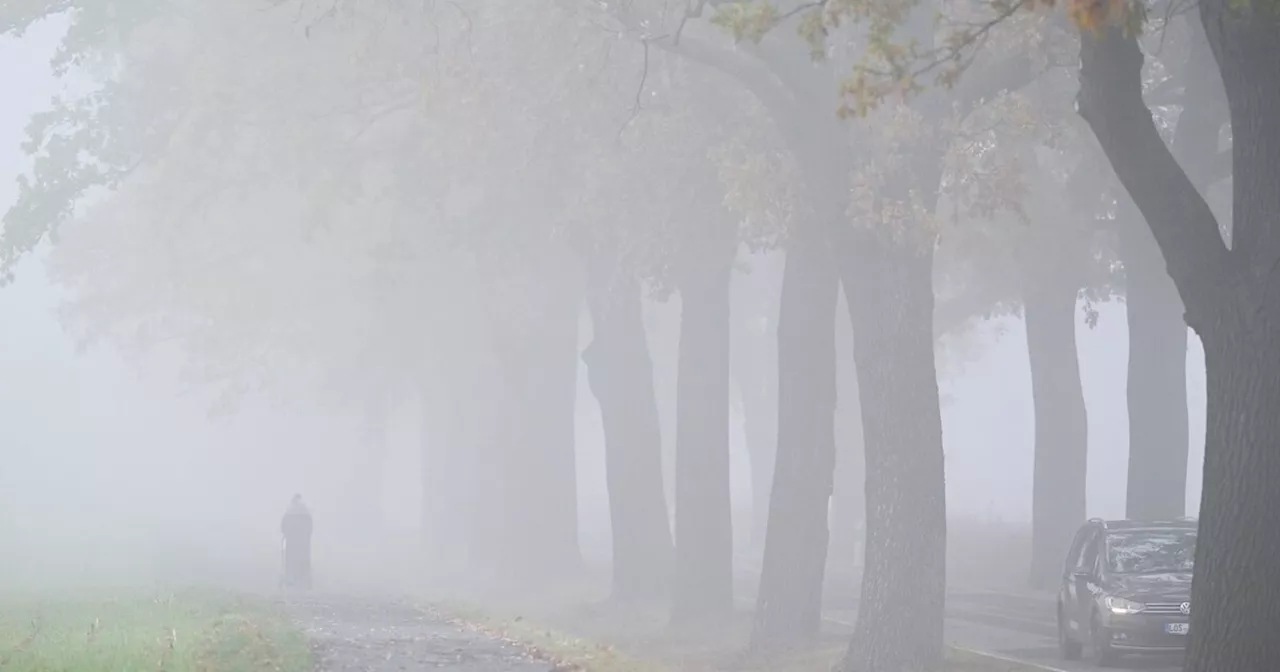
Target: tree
{"x":703,"y":531}
{"x":908,"y":539}
{"x":760,"y":185}
{"x":1224,"y":287}
{"x":265,"y":148}
{"x":1157,"y":332}
{"x":1224,"y":290}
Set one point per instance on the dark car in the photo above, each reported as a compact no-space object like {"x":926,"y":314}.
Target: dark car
{"x":1126,"y":588}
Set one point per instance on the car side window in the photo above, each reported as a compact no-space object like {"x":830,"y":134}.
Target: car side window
{"x":1090,"y":558}
{"x":1076,"y":556}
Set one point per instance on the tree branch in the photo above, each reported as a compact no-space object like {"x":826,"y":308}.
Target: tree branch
{"x":1110,"y":100}
{"x":755,"y":78}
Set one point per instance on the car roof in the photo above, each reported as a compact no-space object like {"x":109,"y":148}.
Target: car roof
{"x":1119,"y":525}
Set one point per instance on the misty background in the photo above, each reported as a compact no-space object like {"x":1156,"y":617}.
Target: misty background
{"x":111,"y":465}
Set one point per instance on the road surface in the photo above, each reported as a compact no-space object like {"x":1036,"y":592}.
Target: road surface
{"x":1022,"y":627}
{"x":1017,"y":626}
{"x":351,"y":635}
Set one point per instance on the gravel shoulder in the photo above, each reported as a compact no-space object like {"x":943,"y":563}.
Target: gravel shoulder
{"x":353,"y":635}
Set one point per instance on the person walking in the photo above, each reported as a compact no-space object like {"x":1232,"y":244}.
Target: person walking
{"x":295,"y":531}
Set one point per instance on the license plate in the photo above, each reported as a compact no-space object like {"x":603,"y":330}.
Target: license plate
{"x":1177,"y":628}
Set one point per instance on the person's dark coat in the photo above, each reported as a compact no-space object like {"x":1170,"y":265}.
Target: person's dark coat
{"x":295,"y":527}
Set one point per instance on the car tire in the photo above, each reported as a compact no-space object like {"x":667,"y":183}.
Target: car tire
{"x":1102,"y":653}
{"x":1068,"y":647}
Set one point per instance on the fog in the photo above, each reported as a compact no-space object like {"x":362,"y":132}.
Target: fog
{"x":232,"y":322}
{"x":100,"y":454}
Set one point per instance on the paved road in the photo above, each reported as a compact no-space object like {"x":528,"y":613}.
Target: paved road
{"x":1021,"y":627}
{"x":351,"y":635}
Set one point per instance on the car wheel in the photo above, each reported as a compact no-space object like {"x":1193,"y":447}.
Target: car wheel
{"x":1068,"y":647}
{"x":1103,"y":654}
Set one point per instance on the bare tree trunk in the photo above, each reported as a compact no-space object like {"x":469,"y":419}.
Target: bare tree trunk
{"x":889,"y":288}
{"x":1236,"y":591}
{"x":1157,"y":388}
{"x":1237,"y":577}
{"x":789,"y":604}
{"x":1061,"y":436}
{"x":621,"y":377}
{"x":703,"y":527}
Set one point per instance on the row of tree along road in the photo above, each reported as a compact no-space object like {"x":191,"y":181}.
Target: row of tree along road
{"x":383,"y":202}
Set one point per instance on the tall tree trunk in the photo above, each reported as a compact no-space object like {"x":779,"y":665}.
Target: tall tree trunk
{"x":1157,"y":392}
{"x":1157,"y":387}
{"x":1236,"y":591}
{"x":703,"y":578}
{"x":1061,"y":435}
{"x":1229,"y":293}
{"x":789,"y":603}
{"x":621,"y":377}
{"x":849,"y":498}
{"x":889,"y":288}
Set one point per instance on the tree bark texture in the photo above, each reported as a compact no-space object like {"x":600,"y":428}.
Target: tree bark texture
{"x":789,"y":603}
{"x":621,"y":377}
{"x":703,"y":576}
{"x":889,"y":289}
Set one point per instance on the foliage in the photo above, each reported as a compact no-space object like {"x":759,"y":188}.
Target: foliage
{"x":331,"y":199}
{"x":903,"y":42}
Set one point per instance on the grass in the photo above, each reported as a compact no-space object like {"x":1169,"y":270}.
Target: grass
{"x":609,"y":639}
{"x":175,"y":632}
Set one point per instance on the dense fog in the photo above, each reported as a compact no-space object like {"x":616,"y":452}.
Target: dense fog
{"x":475,"y":279}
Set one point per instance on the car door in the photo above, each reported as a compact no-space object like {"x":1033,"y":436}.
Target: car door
{"x":1085,"y":579}
{"x":1070,"y":586}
